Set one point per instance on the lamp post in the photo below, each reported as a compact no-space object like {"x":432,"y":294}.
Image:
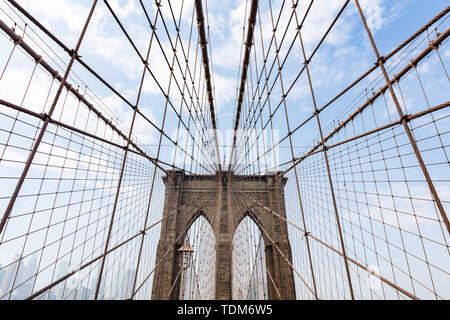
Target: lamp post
{"x":185,"y":252}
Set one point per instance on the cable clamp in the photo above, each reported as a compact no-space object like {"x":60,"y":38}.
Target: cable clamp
{"x":39,"y":60}
{"x":19,"y":41}
{"x":44,"y":116}
{"x":200,"y":21}
{"x":381,"y":60}
{"x":432,"y":46}
{"x":405,"y":118}
{"x":74,"y":54}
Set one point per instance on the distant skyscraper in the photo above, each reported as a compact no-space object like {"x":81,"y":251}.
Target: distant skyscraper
{"x":27,"y":272}
{"x":63,"y":289}
{"x":2,"y":275}
{"x":10,"y":278}
{"x":63,"y":269}
{"x":81,"y":293}
{"x":101,"y":291}
{"x":77,"y":293}
{"x":51,"y":296}
{"x":128,"y":284}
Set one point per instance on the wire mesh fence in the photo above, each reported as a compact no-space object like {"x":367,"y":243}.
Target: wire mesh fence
{"x":82,"y":158}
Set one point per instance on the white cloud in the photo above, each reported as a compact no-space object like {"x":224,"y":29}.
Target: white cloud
{"x":125,"y":8}
{"x":15,"y":83}
{"x":142,"y":128}
{"x":71,"y":13}
{"x":175,"y":7}
{"x":447,"y":53}
{"x":225,"y":89}
{"x":424,"y":67}
{"x":227,"y":54}
{"x":374,"y":10}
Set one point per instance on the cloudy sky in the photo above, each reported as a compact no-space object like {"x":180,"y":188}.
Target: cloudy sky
{"x":344,"y":56}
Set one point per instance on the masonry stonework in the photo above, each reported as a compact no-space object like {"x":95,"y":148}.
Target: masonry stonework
{"x":224,"y":200}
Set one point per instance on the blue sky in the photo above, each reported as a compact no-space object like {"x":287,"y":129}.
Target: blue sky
{"x":344,"y":56}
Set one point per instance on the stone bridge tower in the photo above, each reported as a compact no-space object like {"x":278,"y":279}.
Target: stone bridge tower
{"x":189,"y":196}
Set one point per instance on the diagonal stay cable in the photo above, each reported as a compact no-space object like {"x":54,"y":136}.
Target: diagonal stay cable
{"x":309,"y":234}
{"x":46,"y":122}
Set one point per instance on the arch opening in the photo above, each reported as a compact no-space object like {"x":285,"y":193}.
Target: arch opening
{"x":249,"y":272}
{"x":198,"y":262}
